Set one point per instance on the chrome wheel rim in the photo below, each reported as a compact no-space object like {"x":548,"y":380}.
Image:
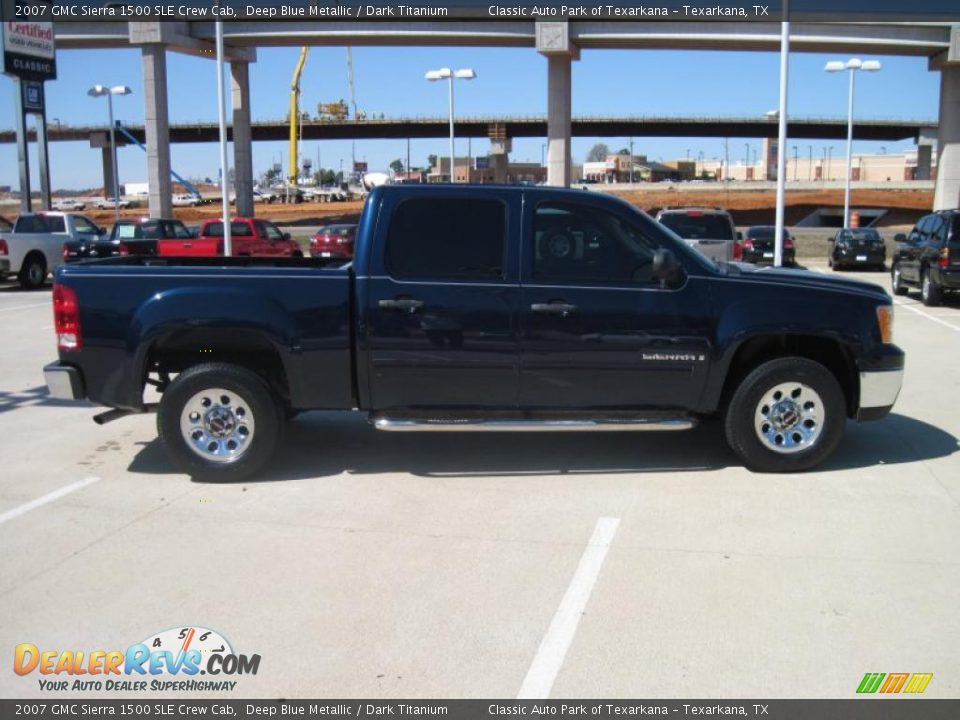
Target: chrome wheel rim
{"x":35,"y":274}
{"x":789,"y":418}
{"x":217,"y":425}
{"x":896,"y":277}
{"x":925,"y":290}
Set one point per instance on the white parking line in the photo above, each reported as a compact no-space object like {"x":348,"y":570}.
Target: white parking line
{"x":553,"y":648}
{"x":24,"y":307}
{"x":44,"y":499}
{"x":928,"y":316}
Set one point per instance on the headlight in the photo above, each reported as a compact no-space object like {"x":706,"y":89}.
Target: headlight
{"x":885,"y":322}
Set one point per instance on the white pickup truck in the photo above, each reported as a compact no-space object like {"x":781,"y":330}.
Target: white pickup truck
{"x":35,"y":245}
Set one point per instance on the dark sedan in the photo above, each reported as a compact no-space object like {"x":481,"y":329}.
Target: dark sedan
{"x":757,"y":245}
{"x":857,"y":247}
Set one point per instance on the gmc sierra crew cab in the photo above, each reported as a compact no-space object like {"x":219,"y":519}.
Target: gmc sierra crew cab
{"x":471,"y":308}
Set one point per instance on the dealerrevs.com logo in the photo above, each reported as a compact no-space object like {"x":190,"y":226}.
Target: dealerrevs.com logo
{"x":172,"y":660}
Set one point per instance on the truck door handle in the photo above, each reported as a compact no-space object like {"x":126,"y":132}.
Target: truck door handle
{"x":402,"y":303}
{"x":555,"y":307}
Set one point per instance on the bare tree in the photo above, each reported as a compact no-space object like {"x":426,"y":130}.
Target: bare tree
{"x":598,"y":153}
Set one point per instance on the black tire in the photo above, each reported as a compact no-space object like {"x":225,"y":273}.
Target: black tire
{"x":812,"y":382}
{"x":896,"y":281}
{"x":253,"y":396}
{"x":33,"y":273}
{"x":930,"y":293}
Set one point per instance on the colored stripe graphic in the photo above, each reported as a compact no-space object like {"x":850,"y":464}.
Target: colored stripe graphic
{"x":894,"y":682}
{"x":870,"y":682}
{"x":918,"y":683}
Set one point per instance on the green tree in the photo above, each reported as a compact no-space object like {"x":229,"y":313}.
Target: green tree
{"x":431,"y":160}
{"x":397,"y":166}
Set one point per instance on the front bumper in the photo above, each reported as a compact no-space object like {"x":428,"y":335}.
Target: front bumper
{"x":64,"y":382}
{"x":880,"y":384}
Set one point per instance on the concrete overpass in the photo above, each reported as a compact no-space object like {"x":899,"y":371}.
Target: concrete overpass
{"x":482,"y":127}
{"x":560,"y":42}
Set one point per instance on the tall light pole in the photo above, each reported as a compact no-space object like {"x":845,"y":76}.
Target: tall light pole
{"x":830,"y":163}
{"x":449,"y":75}
{"x":631,"y":161}
{"x":795,"y":161}
{"x":851,"y":66}
{"x":809,"y":162}
{"x":97,"y":91}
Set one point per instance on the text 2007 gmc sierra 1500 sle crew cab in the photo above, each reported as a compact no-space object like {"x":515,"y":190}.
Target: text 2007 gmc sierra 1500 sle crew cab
{"x":479,"y":308}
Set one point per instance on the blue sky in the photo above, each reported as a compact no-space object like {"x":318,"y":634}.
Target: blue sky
{"x":510,"y":82}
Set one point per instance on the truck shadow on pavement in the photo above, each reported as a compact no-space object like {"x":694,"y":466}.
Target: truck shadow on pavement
{"x":323,"y":444}
{"x":35,"y":396}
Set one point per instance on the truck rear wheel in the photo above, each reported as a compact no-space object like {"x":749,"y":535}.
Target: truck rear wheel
{"x":787,"y":415}
{"x":33,"y":273}
{"x":219,"y":422}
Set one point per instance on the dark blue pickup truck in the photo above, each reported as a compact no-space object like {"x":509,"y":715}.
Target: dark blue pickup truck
{"x":479,"y":308}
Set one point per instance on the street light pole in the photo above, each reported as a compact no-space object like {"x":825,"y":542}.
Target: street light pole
{"x":450,"y":75}
{"x":97,"y":91}
{"x":851,"y":66}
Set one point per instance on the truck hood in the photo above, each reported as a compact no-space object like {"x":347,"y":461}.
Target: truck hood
{"x":805,"y":278}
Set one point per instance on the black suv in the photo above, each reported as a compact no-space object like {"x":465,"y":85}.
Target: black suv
{"x":929,"y":257}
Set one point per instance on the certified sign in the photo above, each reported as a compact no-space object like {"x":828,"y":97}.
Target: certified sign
{"x":28,"y":50}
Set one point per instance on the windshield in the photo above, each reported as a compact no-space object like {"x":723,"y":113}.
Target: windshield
{"x":699,"y":227}
{"x":865,"y":234}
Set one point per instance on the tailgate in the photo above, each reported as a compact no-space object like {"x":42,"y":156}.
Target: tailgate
{"x":715,"y":249}
{"x":190,"y":247}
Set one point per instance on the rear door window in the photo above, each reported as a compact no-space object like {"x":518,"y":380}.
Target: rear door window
{"x":696,"y":226}
{"x":447,"y":238}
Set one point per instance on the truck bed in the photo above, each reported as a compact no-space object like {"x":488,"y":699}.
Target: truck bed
{"x":292,"y":313}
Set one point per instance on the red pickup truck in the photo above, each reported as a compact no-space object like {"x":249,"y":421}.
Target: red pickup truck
{"x":249,"y":236}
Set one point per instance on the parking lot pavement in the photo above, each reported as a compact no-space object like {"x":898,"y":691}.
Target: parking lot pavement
{"x":366,"y":564}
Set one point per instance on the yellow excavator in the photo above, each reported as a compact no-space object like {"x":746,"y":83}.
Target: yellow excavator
{"x":295,"y":116}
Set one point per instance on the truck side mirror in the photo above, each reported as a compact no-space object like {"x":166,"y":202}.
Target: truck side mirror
{"x":666,"y":267}
{"x":286,"y":236}
{"x":900,"y":238}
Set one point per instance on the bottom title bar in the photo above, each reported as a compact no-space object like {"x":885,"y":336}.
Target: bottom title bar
{"x":867,"y":709}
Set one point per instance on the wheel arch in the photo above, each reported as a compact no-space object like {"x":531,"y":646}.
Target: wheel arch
{"x":833,"y":354}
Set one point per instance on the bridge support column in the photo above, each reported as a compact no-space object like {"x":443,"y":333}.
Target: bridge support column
{"x":553,"y":41}
{"x":947,"y":192}
{"x":157,"y":129}
{"x":500,"y":147}
{"x":107,"y":171}
{"x":242,"y":142}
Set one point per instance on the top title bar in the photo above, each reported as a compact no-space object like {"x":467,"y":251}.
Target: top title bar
{"x":415,"y":10}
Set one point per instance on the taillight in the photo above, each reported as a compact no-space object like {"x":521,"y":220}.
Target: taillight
{"x":4,"y":250}
{"x":66,"y":252}
{"x":748,"y":244}
{"x":737,"y":251}
{"x":944,"y":259}
{"x":123,"y":249}
{"x":66,"y":318}
{"x":788,"y":243}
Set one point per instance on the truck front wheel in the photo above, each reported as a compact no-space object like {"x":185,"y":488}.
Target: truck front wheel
{"x":787,"y":415}
{"x":219,"y":422}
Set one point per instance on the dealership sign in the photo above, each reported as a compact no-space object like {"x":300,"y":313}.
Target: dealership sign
{"x":28,"y":50}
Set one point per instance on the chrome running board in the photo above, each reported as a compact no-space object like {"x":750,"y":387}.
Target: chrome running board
{"x":454,"y":424}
